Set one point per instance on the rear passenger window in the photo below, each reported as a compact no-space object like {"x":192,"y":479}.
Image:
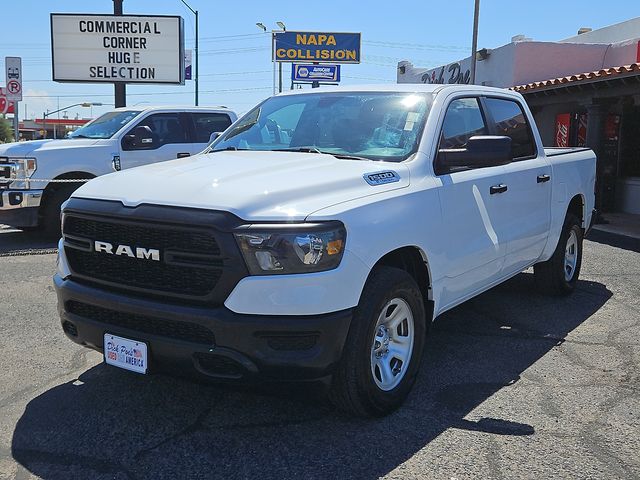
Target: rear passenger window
{"x":462,"y":121}
{"x":208,"y":123}
{"x":511,"y":121}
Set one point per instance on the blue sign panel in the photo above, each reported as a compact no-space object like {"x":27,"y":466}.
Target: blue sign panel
{"x":322,"y":47}
{"x":307,"y":72}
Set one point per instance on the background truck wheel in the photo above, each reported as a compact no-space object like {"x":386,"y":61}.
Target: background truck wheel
{"x":384,"y":346}
{"x":559,"y":274}
{"x":53,"y":200}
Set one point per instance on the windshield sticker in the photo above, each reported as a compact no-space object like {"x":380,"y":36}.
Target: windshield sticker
{"x":381,"y":178}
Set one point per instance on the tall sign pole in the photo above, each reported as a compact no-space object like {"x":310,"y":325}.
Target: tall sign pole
{"x":474,"y":43}
{"x":13,"y":75}
{"x":196,"y":49}
{"x":119,"y":88}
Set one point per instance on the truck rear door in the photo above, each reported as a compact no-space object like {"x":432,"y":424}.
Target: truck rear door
{"x":527,"y":177}
{"x":206,"y":123}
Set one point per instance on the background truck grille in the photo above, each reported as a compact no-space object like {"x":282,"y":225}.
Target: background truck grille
{"x":188,"y":331}
{"x":190,"y":260}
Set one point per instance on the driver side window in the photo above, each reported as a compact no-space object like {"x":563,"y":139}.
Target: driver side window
{"x":166,"y":128}
{"x":462,"y":121}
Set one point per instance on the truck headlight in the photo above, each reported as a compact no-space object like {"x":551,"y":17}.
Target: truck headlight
{"x":295,"y":248}
{"x":25,"y":167}
{"x":22,"y":170}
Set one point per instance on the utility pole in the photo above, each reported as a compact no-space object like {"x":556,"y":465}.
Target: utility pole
{"x":474,"y":43}
{"x":119,"y":88}
{"x":197,"y":72}
{"x":284,"y":29}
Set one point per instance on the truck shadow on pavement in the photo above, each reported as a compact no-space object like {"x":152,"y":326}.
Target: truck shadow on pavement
{"x":113,"y":424}
{"x":17,"y":242}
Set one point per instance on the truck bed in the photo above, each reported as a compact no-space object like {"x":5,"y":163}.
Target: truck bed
{"x":555,"y":151}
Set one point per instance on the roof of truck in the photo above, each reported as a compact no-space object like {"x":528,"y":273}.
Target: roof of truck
{"x":396,"y":87}
{"x":180,"y":108}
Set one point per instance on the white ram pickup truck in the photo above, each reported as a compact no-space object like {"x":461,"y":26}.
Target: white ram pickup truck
{"x":123,"y":138}
{"x":319,"y":237}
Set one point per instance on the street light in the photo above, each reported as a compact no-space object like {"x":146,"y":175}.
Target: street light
{"x":283,"y":28}
{"x":46,"y":114}
{"x":197,"y":72}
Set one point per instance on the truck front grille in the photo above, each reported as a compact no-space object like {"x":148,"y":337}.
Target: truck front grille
{"x":187,"y":331}
{"x":189,"y":263}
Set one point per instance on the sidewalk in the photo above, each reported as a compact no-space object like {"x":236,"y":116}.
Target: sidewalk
{"x":620,"y":224}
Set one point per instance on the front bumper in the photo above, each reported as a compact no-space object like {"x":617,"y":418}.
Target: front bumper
{"x":213,"y":342}
{"x":20,"y":207}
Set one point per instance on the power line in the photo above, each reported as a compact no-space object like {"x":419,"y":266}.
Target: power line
{"x":89,"y":95}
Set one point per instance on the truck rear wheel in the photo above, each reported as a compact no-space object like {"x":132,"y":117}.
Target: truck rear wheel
{"x":559,"y":274}
{"x":384,"y":347}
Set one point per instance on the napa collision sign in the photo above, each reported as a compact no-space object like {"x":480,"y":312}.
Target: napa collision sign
{"x":322,"y":47}
{"x":117,"y":48}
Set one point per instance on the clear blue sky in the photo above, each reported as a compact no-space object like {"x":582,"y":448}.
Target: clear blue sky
{"x":235,"y":66}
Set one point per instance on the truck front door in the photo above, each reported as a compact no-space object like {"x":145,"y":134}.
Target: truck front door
{"x":169,"y":139}
{"x":472,"y":211}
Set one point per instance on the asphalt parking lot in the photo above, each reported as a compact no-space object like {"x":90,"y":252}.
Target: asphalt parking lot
{"x":513,"y":385}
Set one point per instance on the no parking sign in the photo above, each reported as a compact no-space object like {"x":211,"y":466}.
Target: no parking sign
{"x":13,"y":70}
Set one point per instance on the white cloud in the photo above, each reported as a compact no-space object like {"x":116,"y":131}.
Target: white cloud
{"x":37,"y":102}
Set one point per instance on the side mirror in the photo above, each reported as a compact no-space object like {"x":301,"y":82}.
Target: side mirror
{"x":143,"y":136}
{"x":481,"y":151}
{"x":214,"y":136}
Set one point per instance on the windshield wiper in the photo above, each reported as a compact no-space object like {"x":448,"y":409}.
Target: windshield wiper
{"x":227,"y":149}
{"x":348,"y":157}
{"x":316,"y":150}
{"x":298,"y":149}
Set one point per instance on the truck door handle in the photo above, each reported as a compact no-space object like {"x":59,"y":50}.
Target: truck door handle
{"x":498,"y":188}
{"x":183,"y":154}
{"x":543,"y":178}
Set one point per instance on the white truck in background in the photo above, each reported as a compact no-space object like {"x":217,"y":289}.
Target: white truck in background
{"x":123,"y":138}
{"x":320,"y":235}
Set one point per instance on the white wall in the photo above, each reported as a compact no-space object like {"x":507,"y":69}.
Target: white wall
{"x":522,"y":62}
{"x":618,"y":32}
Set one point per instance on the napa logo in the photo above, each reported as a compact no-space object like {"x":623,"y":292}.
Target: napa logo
{"x":381,"y":178}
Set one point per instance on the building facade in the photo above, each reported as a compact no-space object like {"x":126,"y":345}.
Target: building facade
{"x":583,"y":91}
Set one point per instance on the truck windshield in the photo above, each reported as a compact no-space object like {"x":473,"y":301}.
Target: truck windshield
{"x":371,"y":125}
{"x":105,"y":126}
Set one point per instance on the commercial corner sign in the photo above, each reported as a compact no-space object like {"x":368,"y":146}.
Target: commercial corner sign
{"x":308,"y":72}
{"x":117,"y":48}
{"x":13,"y":70}
{"x":323,"y":47}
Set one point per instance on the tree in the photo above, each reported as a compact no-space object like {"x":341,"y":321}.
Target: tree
{"x":6,"y":132}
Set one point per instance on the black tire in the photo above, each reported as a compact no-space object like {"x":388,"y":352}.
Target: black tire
{"x":52,"y":201}
{"x":354,"y":389}
{"x":550,"y":276}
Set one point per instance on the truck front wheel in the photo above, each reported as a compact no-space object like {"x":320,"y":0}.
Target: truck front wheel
{"x":559,"y":274}
{"x":52,"y":202}
{"x":384,"y":346}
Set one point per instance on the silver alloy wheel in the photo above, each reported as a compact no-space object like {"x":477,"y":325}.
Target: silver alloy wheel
{"x":571,"y":256}
{"x":392,"y":344}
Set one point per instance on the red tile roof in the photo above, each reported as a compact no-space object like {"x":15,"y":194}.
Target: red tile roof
{"x":587,"y":77}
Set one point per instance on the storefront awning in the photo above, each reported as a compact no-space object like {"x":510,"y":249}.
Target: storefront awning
{"x":631,"y":71}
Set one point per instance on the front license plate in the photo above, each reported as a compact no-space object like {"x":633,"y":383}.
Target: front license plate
{"x":125,"y":353}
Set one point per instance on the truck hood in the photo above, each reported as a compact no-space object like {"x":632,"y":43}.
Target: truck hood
{"x":36,"y":147}
{"x":250,"y":184}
